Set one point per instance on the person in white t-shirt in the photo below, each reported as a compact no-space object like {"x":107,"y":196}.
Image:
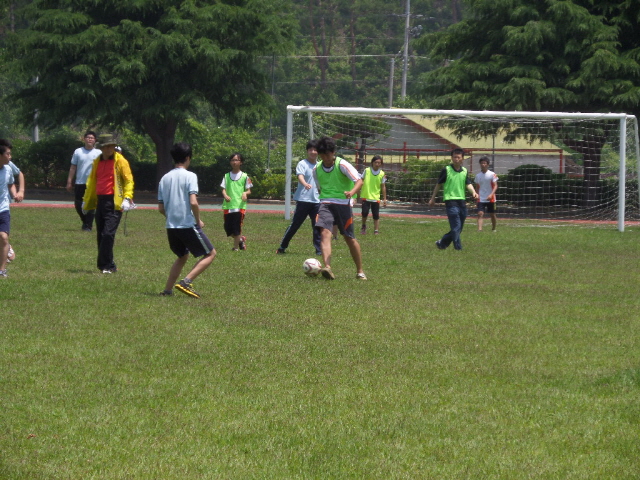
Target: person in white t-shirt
{"x":178,"y":202}
{"x":81,"y":164}
{"x":487,"y":184}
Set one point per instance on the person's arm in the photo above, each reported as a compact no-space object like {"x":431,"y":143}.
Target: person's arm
{"x":195,"y":209}
{"x":161,"y":209}
{"x":224,"y":194}
{"x":12,"y":190}
{"x":356,"y":188}
{"x":383,"y":188}
{"x":472,"y":190}
{"x":432,"y":202}
{"x":72,"y":173}
{"x":303,"y":182}
{"x":19,"y":195}
{"x":246,"y":194}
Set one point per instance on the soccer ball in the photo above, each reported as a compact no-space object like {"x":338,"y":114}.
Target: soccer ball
{"x":311,"y":267}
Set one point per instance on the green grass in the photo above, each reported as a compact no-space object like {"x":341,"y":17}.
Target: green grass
{"x":515,"y":358}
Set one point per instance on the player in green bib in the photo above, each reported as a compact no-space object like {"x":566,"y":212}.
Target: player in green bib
{"x":455,"y":182}
{"x":236,"y":187}
{"x":337,"y":181}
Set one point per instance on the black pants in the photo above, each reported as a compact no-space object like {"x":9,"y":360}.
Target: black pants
{"x":107,"y":221}
{"x":303,"y":210}
{"x":87,"y":219}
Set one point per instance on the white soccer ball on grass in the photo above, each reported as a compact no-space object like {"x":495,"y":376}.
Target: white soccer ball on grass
{"x":311,"y":267}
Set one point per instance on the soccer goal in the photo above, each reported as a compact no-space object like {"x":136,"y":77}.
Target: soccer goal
{"x":551,"y":165}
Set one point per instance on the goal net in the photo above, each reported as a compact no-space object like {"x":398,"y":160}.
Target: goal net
{"x":566,"y":166}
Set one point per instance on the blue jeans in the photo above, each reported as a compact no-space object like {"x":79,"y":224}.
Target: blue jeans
{"x":457,"y":214}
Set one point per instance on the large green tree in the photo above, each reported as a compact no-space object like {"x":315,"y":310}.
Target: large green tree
{"x":540,"y":55}
{"x":149,"y":64}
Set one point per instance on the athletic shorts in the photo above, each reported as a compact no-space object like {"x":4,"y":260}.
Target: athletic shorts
{"x":330,"y":214}
{"x":189,"y":240}
{"x":489,"y":207}
{"x":5,"y":221}
{"x":375,"y":208}
{"x":233,"y":222}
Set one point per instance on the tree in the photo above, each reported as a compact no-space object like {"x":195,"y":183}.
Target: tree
{"x":150,"y":63}
{"x":554,"y":55}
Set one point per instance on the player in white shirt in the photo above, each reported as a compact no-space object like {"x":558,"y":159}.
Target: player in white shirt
{"x":487,"y":183}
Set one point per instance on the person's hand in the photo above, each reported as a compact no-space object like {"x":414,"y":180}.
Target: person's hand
{"x":307,"y":186}
{"x":69,"y":187}
{"x":127,"y":205}
{"x":432,"y":202}
{"x":384,"y":203}
{"x":84,"y":210}
{"x":19,"y":197}
{"x":348,"y":194}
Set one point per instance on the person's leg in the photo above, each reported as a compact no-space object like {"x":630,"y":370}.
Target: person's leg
{"x":87,"y":218}
{"x":299,"y":216}
{"x":201,"y":265}
{"x":453,"y":216}
{"x":375,"y":213}
{"x":325,"y":235}
{"x":494,"y":221}
{"x":174,"y":273}
{"x":480,"y":219}
{"x":317,"y":236}
{"x":111,"y":219}
{"x":365,"y":214}
{"x":462,"y":216}
{"x":4,"y":250}
{"x":356,"y":254}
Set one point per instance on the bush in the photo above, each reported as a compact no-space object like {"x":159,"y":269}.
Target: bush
{"x":46,"y":163}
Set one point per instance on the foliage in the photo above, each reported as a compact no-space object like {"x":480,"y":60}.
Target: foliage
{"x":416,"y":181}
{"x":46,"y":163}
{"x":148,"y":64}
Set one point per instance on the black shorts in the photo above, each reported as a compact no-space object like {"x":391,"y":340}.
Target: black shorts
{"x":189,"y":240}
{"x":375,"y":208}
{"x":489,"y":207}
{"x":233,"y":222}
{"x":330,"y":214}
{"x":5,"y":222}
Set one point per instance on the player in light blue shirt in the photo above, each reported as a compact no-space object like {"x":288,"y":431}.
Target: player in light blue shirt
{"x":178,"y":202}
{"x":81,"y":164}
{"x":307,"y":200}
{"x":7,"y":190}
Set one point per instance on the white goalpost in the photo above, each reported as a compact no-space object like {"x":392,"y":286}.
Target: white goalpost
{"x":551,"y":165}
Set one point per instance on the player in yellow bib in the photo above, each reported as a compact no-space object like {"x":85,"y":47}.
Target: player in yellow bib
{"x":373,"y":184}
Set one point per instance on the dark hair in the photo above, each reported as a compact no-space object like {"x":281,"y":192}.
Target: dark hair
{"x":457,"y":151}
{"x":90,"y":132}
{"x":377,"y":157}
{"x":326,"y":145}
{"x":180,"y":152}
{"x":240,"y":157}
{"x":4,"y":146}
{"x":312,"y":144}
{"x":484,"y":159}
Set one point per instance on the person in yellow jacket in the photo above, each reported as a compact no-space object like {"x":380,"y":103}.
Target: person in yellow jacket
{"x":109,"y":192}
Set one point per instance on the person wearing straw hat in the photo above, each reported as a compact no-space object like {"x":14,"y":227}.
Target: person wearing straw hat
{"x":109,"y":192}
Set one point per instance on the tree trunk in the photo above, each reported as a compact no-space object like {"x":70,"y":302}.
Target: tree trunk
{"x":162,"y":134}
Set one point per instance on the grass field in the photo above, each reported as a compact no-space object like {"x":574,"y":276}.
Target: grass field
{"x":518,"y":357}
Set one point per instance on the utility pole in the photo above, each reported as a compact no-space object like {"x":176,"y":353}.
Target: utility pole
{"x":407,"y":17}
